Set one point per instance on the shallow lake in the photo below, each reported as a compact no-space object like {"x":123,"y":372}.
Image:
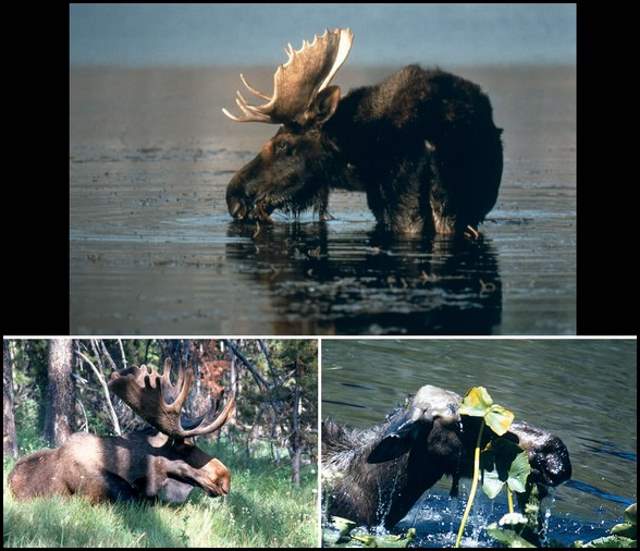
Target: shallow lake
{"x":584,"y":391}
{"x":153,"y":249}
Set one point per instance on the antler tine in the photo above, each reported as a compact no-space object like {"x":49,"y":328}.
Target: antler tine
{"x":180,"y":380}
{"x":296,"y":82}
{"x":185,"y":380}
{"x":233,"y":117}
{"x":254,"y":90}
{"x":146,"y":391}
{"x":252,"y":113}
{"x":216,"y":424}
{"x":166,"y":370}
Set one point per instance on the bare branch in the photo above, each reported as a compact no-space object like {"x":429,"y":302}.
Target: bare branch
{"x":110,"y":361}
{"x":124,"y":359}
{"x":265,"y":351}
{"x":256,"y":374}
{"x":103,"y":383}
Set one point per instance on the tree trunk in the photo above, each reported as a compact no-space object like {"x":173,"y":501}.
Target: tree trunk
{"x":9,"y":441}
{"x":295,"y":436}
{"x":59,"y":407}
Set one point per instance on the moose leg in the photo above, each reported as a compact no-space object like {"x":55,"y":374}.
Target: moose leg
{"x":182,"y":472}
{"x":150,"y":485}
{"x":322,"y":205}
{"x":110,"y":487}
{"x":405,"y":498}
{"x":119,"y":489}
{"x":400,"y":200}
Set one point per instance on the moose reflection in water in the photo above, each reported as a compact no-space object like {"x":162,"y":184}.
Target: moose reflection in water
{"x":376,"y":475}
{"x":141,"y":465}
{"x":370,"y":282}
{"x":422,"y":144}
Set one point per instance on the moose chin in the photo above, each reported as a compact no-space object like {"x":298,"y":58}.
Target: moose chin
{"x":394,"y":463}
{"x":143,"y":465}
{"x":422,"y":144}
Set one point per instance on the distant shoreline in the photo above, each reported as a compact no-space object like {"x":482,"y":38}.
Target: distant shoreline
{"x":344,"y":70}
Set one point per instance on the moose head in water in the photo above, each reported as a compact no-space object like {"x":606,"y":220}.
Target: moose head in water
{"x":422,"y":144}
{"x":141,"y":465}
{"x":377,"y":475}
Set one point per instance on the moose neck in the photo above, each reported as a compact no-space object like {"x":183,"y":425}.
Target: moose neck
{"x":365,"y":136}
{"x":351,"y":131}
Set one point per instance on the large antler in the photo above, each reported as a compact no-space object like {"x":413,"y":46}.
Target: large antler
{"x":159,"y":402}
{"x":296,"y":83}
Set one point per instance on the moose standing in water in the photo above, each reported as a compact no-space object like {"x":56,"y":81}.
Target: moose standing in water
{"x":422,"y":144}
{"x":377,"y":475}
{"x":141,"y":465}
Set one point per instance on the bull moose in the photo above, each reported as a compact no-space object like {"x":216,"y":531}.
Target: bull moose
{"x":422,"y":144}
{"x":141,"y":465}
{"x":377,"y":475}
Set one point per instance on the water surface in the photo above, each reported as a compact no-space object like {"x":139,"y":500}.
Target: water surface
{"x":153,"y":249}
{"x":584,"y":391}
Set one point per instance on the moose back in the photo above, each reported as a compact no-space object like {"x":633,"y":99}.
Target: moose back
{"x":141,"y":465}
{"x":422,"y":144}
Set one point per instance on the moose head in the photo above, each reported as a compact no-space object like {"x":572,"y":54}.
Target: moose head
{"x":142,"y":464}
{"x":293,"y":168}
{"x":160,"y":403}
{"x":433,"y":422}
{"x":394,"y":463}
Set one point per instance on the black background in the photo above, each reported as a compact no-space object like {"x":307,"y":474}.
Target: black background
{"x":36,"y":186}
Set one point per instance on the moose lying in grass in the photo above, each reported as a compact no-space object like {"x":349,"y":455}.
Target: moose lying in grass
{"x":141,"y":465}
{"x":376,"y":475}
{"x":422,"y":144}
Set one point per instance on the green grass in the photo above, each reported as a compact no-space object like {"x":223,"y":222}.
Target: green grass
{"x":263,"y":509}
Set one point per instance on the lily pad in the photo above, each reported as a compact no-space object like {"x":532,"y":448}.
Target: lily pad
{"x":631,"y":514}
{"x":491,"y":483}
{"x":343,"y":525}
{"x":507,"y":536}
{"x":339,"y":530}
{"x":608,"y":542}
{"x":476,"y":402}
{"x":504,"y":462}
{"x":626,"y":529}
{"x":366,"y":540}
{"x":518,"y":473}
{"x":499,"y":419}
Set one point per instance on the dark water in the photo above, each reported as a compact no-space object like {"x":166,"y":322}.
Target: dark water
{"x":584,"y":391}
{"x":153,"y":249}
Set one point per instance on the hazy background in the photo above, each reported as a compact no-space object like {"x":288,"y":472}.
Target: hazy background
{"x":385,"y":34}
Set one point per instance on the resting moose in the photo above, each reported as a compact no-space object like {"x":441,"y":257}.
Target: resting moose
{"x":422,"y":144}
{"x":394,"y":463}
{"x":141,"y":465}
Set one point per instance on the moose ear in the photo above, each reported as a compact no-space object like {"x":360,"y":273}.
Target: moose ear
{"x":390,"y":447}
{"x":324,"y":105}
{"x":397,"y":439}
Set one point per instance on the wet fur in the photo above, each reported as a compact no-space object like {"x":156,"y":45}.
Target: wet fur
{"x":371,"y":493}
{"x":422,"y":144}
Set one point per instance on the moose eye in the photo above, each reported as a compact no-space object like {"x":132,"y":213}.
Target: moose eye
{"x":283,"y":147}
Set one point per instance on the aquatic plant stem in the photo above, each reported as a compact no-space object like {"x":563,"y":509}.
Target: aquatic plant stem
{"x":474,"y":485}
{"x":509,"y":498}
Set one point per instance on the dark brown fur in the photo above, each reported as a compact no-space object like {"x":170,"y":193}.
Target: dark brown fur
{"x":422,"y":144}
{"x":377,"y":475}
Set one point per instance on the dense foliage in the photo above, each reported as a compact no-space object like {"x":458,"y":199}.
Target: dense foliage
{"x":275,"y":382}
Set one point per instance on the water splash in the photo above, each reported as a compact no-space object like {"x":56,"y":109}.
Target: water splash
{"x":384,"y":501}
